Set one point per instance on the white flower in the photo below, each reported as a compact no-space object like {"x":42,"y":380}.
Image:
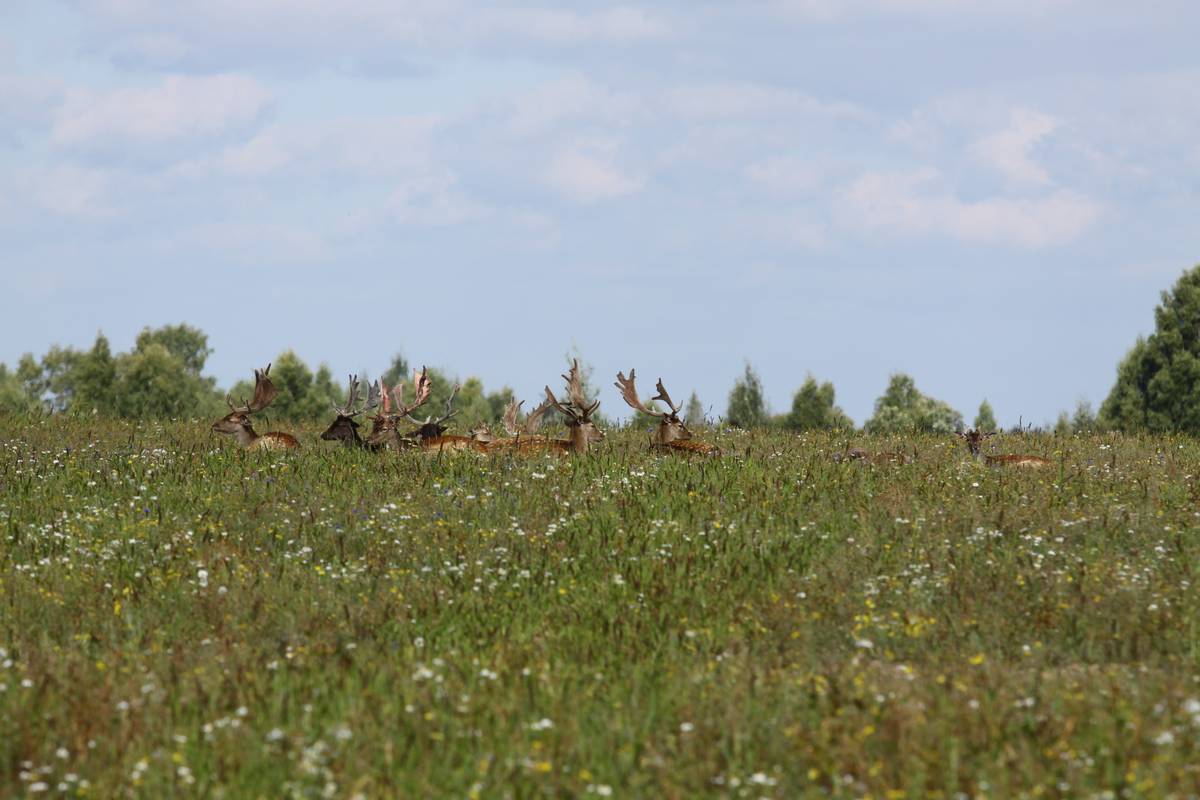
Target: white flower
{"x":1165,"y":738}
{"x":274,"y":735}
{"x":686,"y":727}
{"x":864,"y":644}
{"x":202,"y":577}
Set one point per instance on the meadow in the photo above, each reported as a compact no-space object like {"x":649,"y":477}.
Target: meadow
{"x":180,"y":618}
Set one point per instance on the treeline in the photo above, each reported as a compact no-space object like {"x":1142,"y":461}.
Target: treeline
{"x":1157,"y":387}
{"x":161,"y":377}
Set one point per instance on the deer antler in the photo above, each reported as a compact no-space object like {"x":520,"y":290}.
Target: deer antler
{"x":373,"y":397}
{"x":351,"y":398}
{"x":534,"y":420}
{"x":628,"y":389}
{"x":421,"y":386}
{"x":662,"y":395}
{"x":264,"y":393}
{"x":510,"y":416}
{"x":566,"y":410}
{"x":575,"y":392}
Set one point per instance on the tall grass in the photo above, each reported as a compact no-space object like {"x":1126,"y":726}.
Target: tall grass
{"x":180,"y":618}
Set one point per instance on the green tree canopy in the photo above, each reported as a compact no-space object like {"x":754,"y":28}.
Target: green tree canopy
{"x":693,"y":411}
{"x":188,"y":344}
{"x":902,"y":408}
{"x":985,"y":419}
{"x":1158,"y":382}
{"x":747,"y":408}
{"x":13,"y":397}
{"x":813,"y":408}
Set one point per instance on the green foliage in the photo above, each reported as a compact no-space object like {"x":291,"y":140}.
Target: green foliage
{"x":985,"y":419}
{"x":1084,"y":420}
{"x":397,"y":371}
{"x":183,"y":618}
{"x":747,"y":408}
{"x":693,"y":412}
{"x":153,"y":382}
{"x":188,"y":344}
{"x":13,"y":396}
{"x":813,"y":408}
{"x":1158,"y":381}
{"x":903,"y":409}
{"x":95,"y":380}
{"x":303,"y":395}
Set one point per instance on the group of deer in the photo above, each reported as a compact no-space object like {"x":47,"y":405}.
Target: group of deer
{"x":429,"y":434}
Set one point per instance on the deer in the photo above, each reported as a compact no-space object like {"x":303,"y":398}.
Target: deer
{"x":974,"y":439}
{"x":237,"y":421}
{"x":523,"y":438}
{"x":385,"y":424}
{"x":431,"y":434}
{"x":578,"y":413}
{"x":671,"y":435}
{"x":344,"y":428}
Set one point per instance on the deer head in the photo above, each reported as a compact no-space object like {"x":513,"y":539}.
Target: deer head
{"x":974,"y":439}
{"x":385,"y":425}
{"x":670,"y":425}
{"x":344,"y":428}
{"x":577,"y":412}
{"x":237,"y":421}
{"x":430,"y":428}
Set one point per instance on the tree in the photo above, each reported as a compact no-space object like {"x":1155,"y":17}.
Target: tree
{"x":303,"y":395}
{"x":153,"y":382}
{"x":1158,"y":382}
{"x":693,"y":412}
{"x":985,"y":419}
{"x":188,"y":344}
{"x":95,"y":379}
{"x":1084,"y":419}
{"x":903,"y":409}
{"x":747,"y":409}
{"x":397,"y":371}
{"x":13,"y":397}
{"x":813,"y":408}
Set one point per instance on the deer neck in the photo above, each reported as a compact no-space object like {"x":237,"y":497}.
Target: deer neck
{"x":579,"y":438}
{"x":246,"y":435}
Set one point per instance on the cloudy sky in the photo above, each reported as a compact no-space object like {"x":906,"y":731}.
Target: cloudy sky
{"x":988,"y":195}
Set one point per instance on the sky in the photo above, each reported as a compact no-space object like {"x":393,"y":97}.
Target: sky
{"x":988,"y":196}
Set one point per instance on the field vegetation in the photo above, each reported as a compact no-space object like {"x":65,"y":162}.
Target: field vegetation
{"x":181,"y":618}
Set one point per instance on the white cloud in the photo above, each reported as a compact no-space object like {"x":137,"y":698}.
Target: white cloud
{"x":584,"y":172}
{"x":916,"y":203}
{"x":568,"y":100}
{"x":827,"y":10}
{"x":1009,"y":151}
{"x":383,"y":146}
{"x":70,"y":191}
{"x":788,"y":175}
{"x":558,"y":26}
{"x":432,"y":200}
{"x":740,"y":100}
{"x":178,"y":109}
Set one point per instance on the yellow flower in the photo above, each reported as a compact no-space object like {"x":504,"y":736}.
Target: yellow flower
{"x":976,"y":659}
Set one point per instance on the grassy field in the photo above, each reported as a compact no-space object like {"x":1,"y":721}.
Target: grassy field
{"x":181,"y":619}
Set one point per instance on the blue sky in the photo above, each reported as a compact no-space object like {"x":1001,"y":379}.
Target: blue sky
{"x":987,"y":195}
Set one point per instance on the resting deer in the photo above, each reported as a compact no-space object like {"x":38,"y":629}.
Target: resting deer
{"x":344,"y":428}
{"x":671,"y":435}
{"x":974,"y":439}
{"x":237,"y":421}
{"x":431,"y":434}
{"x":578,"y":416}
{"x":523,"y":438}
{"x":385,"y":428}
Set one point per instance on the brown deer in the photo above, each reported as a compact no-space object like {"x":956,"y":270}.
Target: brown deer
{"x":431,"y":434}
{"x":385,"y":426}
{"x":237,"y":421}
{"x":344,"y":428}
{"x":671,"y":435}
{"x":523,"y":438}
{"x":578,"y":413}
{"x":974,"y":440}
